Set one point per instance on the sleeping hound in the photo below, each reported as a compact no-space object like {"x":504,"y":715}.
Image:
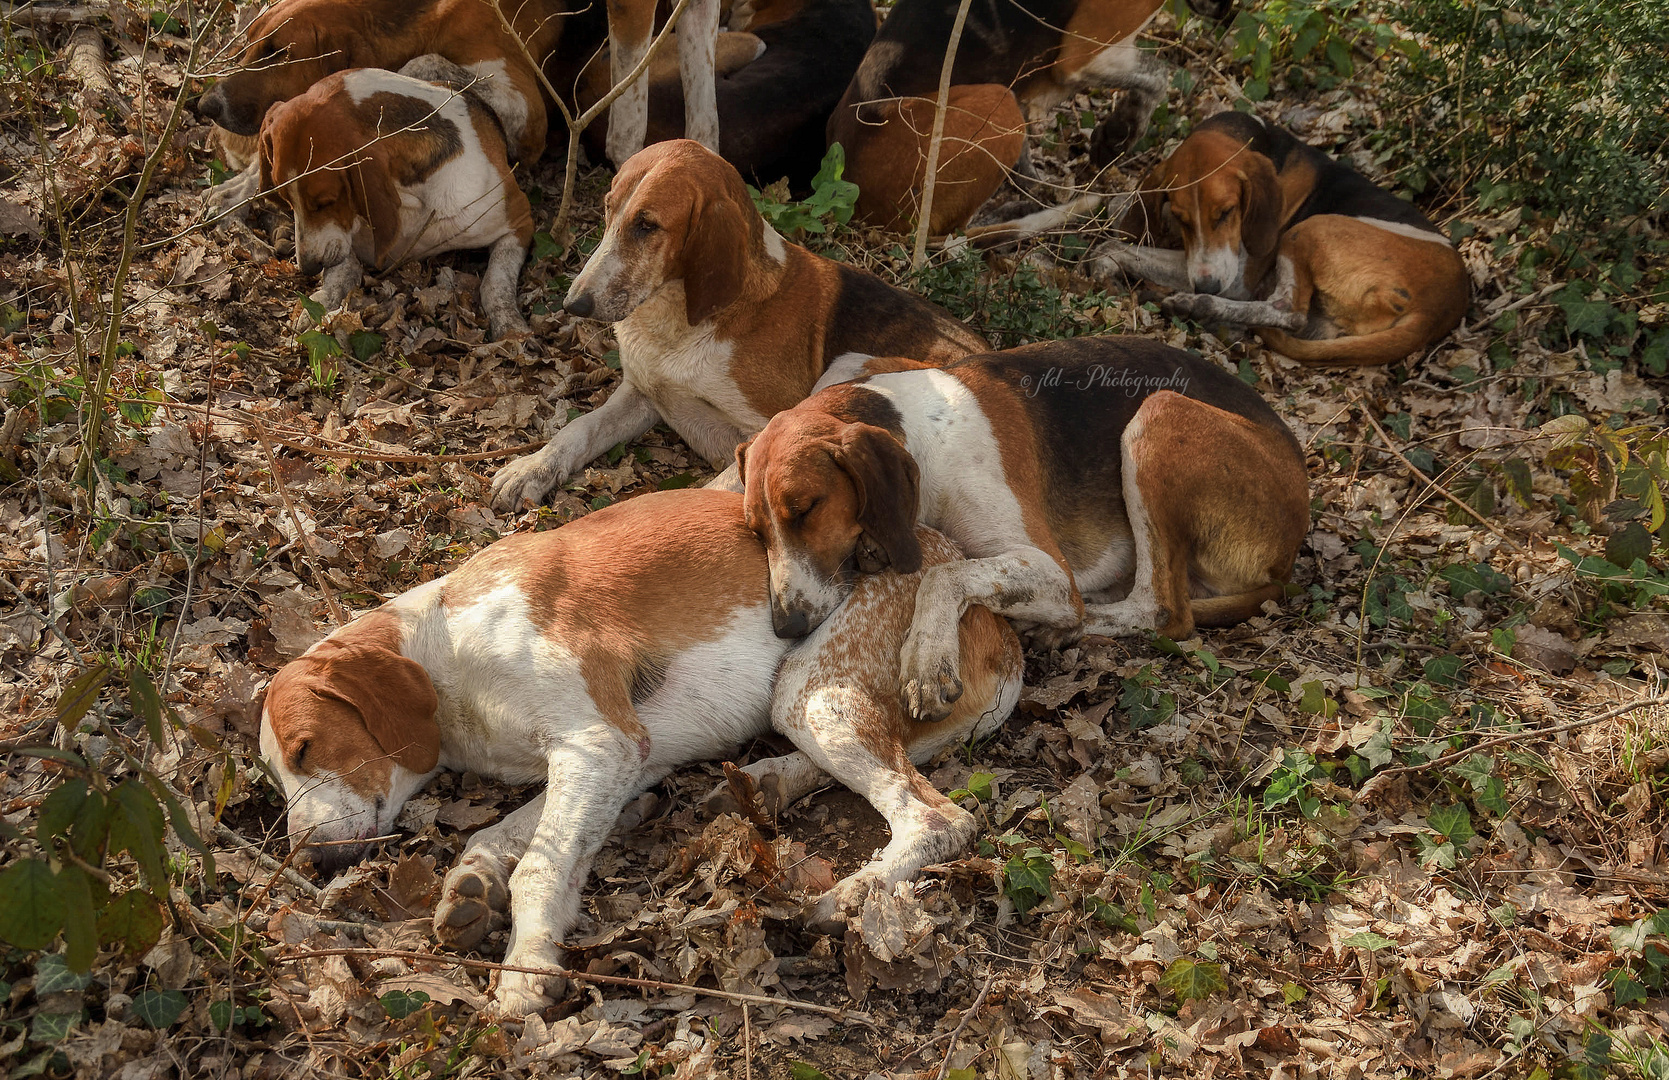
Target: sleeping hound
{"x":599,"y":657}
{"x":1098,"y":485}
{"x":1327,"y":267}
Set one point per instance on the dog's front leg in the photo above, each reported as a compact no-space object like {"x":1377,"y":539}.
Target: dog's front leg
{"x":475,"y":897}
{"x":1161,"y":266}
{"x":592,"y":773}
{"x":698,"y":34}
{"x":1203,"y":307}
{"x":1025,"y":584}
{"x":230,"y":201}
{"x":498,"y":287}
{"x":627,"y":414}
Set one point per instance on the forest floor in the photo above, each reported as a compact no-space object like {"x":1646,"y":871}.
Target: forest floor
{"x":1366,"y":836}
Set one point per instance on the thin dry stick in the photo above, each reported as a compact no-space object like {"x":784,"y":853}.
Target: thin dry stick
{"x":295,"y":849}
{"x":1372,"y":786}
{"x":938,"y":136}
{"x":851,"y":1015}
{"x":1440,"y":489}
{"x":577,"y":126}
{"x":747,"y":1044}
{"x":307,"y":887}
{"x":944,"y":1066}
{"x":336,"y":611}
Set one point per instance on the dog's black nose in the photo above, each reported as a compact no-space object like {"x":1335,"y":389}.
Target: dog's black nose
{"x":210,"y":105}
{"x":789,"y":624}
{"x":582,"y":305}
{"x":1208,"y":285}
{"x":332,"y":860}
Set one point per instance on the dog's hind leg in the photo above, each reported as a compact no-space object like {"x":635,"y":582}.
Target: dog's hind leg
{"x":475,"y":897}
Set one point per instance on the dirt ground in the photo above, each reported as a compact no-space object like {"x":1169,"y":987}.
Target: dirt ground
{"x":1365,"y":836}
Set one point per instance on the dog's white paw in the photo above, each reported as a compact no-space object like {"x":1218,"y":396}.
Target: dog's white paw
{"x":519,"y":994}
{"x":835,"y":908}
{"x":523,"y":482}
{"x":474,"y":901}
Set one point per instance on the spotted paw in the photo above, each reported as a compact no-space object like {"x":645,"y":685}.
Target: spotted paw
{"x":930,"y":686}
{"x":1122,"y":129}
{"x":474,"y":901}
{"x":830,"y":912}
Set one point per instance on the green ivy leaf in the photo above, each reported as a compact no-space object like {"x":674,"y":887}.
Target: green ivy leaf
{"x":1027,"y":877}
{"x":1367,"y":939}
{"x":365,"y":344}
{"x":1190,"y":980}
{"x":31,"y":907}
{"x":314,"y":309}
{"x":1444,"y":670}
{"x":1625,"y":990}
{"x":53,"y":975}
{"x":1583,"y":316}
{"x":158,"y":1008}
{"x":221,"y":1013}
{"x":801,"y":1070}
{"x":49,"y":1028}
{"x":1453,"y":822}
{"x":399,"y":1004}
{"x":1627,"y":544}
{"x":319,"y":345}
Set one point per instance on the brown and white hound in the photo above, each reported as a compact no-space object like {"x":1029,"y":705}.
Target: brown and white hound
{"x":600,"y":656}
{"x":1097,"y":485}
{"x":298,"y":42}
{"x":379,"y":167}
{"x":1327,"y":267}
{"x":721,"y":322}
{"x":1017,"y":60}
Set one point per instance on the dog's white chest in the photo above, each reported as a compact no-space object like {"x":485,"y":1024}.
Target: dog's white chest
{"x":686,"y":372}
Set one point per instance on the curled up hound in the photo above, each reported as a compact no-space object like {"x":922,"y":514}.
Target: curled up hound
{"x":721,"y":322}
{"x":599,"y":657}
{"x":1098,"y":485}
{"x":1016,"y":61}
{"x":379,"y":167}
{"x":1277,"y":236}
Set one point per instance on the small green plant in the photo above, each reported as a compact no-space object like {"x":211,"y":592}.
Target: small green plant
{"x":1143,"y":702}
{"x":1619,"y":485}
{"x":1306,"y":41}
{"x":1026,"y":878}
{"x":1012,"y":308}
{"x":1291,"y":783}
{"x":830,"y":204}
{"x":1444,"y":843}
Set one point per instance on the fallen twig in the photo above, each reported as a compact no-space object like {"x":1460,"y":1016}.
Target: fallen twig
{"x":1373,"y":786}
{"x":311,"y":890}
{"x":850,"y":1015}
{"x":336,"y":611}
{"x":1434,"y":485}
{"x":967,"y":1015}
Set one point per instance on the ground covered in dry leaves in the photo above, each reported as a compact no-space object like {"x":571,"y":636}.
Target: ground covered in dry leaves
{"x":1358,"y":837}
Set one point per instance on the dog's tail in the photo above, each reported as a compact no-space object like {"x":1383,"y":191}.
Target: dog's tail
{"x":1229,"y":610}
{"x":1395,"y":342}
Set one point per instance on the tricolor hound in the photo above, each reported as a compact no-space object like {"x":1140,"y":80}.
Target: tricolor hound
{"x":599,"y":657}
{"x":779,"y":73}
{"x":1151,"y":482}
{"x":1016,"y":61}
{"x":379,"y":168}
{"x":721,"y":322}
{"x":1277,"y":236}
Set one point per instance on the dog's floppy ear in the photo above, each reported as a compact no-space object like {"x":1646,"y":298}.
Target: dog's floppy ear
{"x":889,"y":486}
{"x":378,"y":201}
{"x":742,"y":459}
{"x":1260,"y":210}
{"x":713,"y":260}
{"x":1146,"y":220}
{"x":268,"y":147}
{"x":394,"y":696}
